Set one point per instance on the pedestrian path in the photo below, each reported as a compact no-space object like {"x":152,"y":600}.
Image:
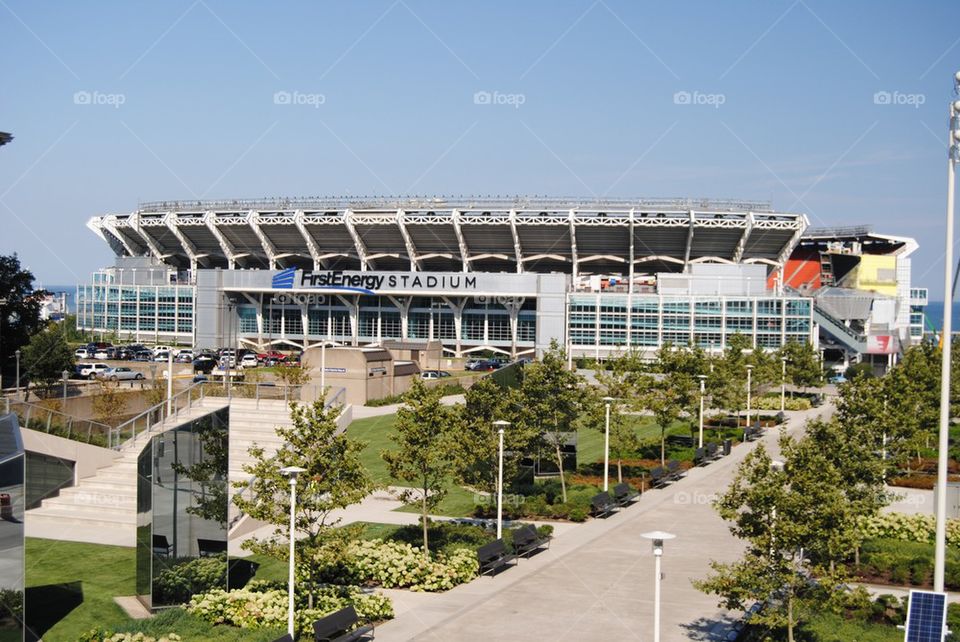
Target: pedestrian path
{"x":596,"y":581}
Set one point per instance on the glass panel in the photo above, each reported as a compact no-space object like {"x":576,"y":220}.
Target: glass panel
{"x":183,"y":513}
{"x":12,"y":493}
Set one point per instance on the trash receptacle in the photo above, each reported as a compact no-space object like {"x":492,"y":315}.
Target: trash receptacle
{"x":6,"y":506}
{"x":727,"y":444}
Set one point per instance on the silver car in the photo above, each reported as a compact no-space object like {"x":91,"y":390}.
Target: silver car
{"x":120,"y":373}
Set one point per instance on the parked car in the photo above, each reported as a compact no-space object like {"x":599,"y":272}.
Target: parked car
{"x":143,"y":355}
{"x":228,"y":361}
{"x":487,"y":366}
{"x":472,"y":364}
{"x":249,"y":361}
{"x":104,"y":354}
{"x":158,"y":349}
{"x":204,"y":364}
{"x":163,"y":355}
{"x":184,"y":356}
{"x":120,"y":373}
{"x":837,"y":378}
{"x":82,"y":353}
{"x":91,"y":370}
{"x":200,"y":378}
{"x":434,"y":374}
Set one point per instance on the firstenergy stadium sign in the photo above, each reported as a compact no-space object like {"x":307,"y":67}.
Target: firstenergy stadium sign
{"x":370,"y":282}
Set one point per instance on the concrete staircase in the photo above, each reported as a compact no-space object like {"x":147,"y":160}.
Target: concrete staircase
{"x":102,"y":509}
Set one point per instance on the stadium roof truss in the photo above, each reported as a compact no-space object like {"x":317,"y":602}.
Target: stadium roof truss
{"x":599,"y":237}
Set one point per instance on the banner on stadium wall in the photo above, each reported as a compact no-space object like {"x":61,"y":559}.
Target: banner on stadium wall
{"x":882,"y":344}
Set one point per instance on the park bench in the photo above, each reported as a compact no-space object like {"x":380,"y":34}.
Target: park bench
{"x":781,"y":417}
{"x":659,"y":477}
{"x":680,"y":440}
{"x":624,"y":495}
{"x":526,"y":540}
{"x":712,"y":451}
{"x":750,"y":433}
{"x":493,"y":556}
{"x":700,"y":456}
{"x":286,"y":637}
{"x":602,"y":505}
{"x":339,"y":627}
{"x":161,"y":546}
{"x":674,"y":470}
{"x":211,"y":547}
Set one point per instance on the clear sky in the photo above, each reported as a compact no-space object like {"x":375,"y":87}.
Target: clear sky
{"x":113,"y":103}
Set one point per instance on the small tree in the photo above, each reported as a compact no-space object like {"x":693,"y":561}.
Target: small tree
{"x":803,"y":366}
{"x":47,"y":356}
{"x":109,"y":404}
{"x":477,"y":442}
{"x":551,"y":401}
{"x":781,"y":513}
{"x":334,"y":477}
{"x":623,"y":439}
{"x":424,"y":454}
{"x":665,"y":399}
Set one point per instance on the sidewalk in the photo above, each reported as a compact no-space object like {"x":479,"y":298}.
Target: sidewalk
{"x":596,"y":581}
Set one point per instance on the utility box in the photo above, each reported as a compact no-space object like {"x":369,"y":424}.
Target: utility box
{"x":953,"y":500}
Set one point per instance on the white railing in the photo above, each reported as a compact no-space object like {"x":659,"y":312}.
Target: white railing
{"x":147,"y":420}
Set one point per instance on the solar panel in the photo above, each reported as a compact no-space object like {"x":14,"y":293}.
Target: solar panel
{"x":926,"y":616}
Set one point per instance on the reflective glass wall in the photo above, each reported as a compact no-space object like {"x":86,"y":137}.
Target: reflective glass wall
{"x":11,"y":529}
{"x":182,"y":500}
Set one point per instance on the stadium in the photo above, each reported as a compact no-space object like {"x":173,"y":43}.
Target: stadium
{"x":500,"y":275}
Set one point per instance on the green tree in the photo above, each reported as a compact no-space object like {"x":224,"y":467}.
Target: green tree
{"x":109,"y":403}
{"x":623,"y":439}
{"x":803,"y":364}
{"x":47,"y":356}
{"x":424,"y":454}
{"x":477,"y":442}
{"x":551,"y":401}
{"x":334,"y":478}
{"x":781,"y":513}
{"x":726,"y":384}
{"x":19,"y":310}
{"x":667,"y":400}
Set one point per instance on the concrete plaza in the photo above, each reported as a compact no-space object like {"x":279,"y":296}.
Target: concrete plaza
{"x":596,"y":581}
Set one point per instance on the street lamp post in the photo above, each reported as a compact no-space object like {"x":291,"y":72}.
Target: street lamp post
{"x":291,"y":472}
{"x":606,"y":447}
{"x":783,"y":384}
{"x":703,"y":379}
{"x":17,"y":355}
{"x":749,"y":372}
{"x":940,"y":537}
{"x":657,"y":537}
{"x":65,"y":373}
{"x":500,"y":424}
{"x":323,"y":371}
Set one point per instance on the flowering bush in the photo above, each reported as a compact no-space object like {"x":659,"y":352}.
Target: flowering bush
{"x":911,"y":528}
{"x":177,"y":583}
{"x":102,"y":635}
{"x":251,"y":609}
{"x":400,"y":565}
{"x":773,"y":403}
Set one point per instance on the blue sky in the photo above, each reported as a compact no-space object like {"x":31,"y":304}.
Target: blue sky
{"x":113,"y":103}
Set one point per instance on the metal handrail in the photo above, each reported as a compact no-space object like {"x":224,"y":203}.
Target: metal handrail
{"x":155,"y":415}
{"x":71,"y":424}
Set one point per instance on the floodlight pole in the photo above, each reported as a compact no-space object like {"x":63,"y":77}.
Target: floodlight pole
{"x":749,"y":372}
{"x":291,"y":472}
{"x":606,"y":447}
{"x":940,"y":537}
{"x":169,"y":382}
{"x":783,"y":384}
{"x":500,"y":423}
{"x":703,"y":379}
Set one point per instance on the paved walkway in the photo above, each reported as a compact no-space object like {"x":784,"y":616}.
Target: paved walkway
{"x":596,"y":581}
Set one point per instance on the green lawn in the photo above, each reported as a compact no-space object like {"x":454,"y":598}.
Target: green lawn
{"x":70,"y":590}
{"x":590,"y":440}
{"x":830,"y":627}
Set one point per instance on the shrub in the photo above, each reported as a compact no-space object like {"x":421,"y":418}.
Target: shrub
{"x":252,"y":609}
{"x":104,"y":635}
{"x":400,"y":565}
{"x":911,"y":528}
{"x":772,"y":402}
{"x":178,"y":583}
